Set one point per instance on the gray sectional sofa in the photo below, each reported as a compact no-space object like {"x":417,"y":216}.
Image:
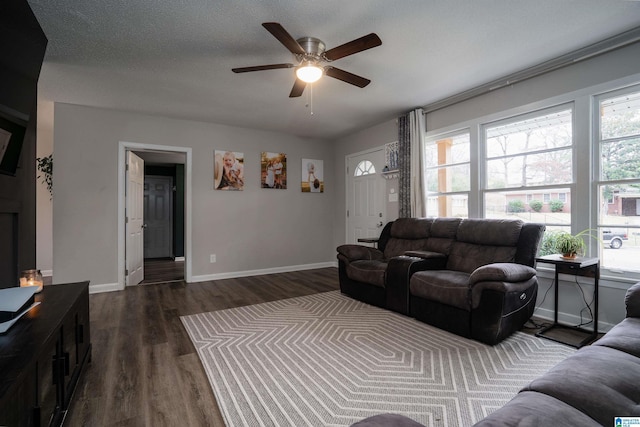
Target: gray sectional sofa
{"x":592,"y":387}
{"x":473,"y":277}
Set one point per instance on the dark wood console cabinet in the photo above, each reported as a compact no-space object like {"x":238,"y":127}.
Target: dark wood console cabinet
{"x":42,"y":357}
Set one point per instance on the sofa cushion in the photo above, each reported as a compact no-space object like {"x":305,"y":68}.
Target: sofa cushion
{"x":411,"y":228}
{"x":625,"y":336}
{"x":407,"y":234}
{"x":632,"y":301}
{"x":368,"y":271}
{"x":396,"y":247}
{"x":531,"y":409}
{"x":601,"y":382}
{"x":443,"y":286}
{"x":494,"y":232}
{"x":467,"y":257}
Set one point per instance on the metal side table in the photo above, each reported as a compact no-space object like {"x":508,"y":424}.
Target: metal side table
{"x":580,"y":266}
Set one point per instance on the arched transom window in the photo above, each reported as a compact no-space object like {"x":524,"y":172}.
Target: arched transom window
{"x":365,"y":167}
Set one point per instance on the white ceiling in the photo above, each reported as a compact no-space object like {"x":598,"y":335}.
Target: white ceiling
{"x":174,"y":57}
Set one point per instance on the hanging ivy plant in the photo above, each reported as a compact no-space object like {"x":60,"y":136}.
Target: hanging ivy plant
{"x":45,"y":166}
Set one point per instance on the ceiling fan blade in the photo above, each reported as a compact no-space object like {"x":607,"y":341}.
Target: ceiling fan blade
{"x":298,"y":88}
{"x":346,"y":76}
{"x":354,"y":46}
{"x":261,"y":68}
{"x":284,"y":37}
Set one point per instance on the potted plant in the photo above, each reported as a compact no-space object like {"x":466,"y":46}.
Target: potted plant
{"x":569,"y":245}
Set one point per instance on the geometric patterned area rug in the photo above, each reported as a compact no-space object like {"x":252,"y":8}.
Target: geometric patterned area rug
{"x":329,"y":360}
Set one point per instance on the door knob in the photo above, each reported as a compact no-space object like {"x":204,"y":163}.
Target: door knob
{"x":143,"y":226}
{"x":380,"y":224}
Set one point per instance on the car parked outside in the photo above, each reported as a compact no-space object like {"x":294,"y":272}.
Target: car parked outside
{"x":614,"y":238}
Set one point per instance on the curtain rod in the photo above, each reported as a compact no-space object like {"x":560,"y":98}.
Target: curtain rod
{"x":607,"y":45}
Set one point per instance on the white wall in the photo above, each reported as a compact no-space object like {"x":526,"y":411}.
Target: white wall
{"x":600,"y":69}
{"x":44,"y":206}
{"x":254,"y":229}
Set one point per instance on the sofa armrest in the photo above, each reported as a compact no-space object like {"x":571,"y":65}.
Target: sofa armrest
{"x":355,"y":252}
{"x":399,"y":272}
{"x":502,"y":272}
{"x":632,"y":301}
{"x":425,"y":254}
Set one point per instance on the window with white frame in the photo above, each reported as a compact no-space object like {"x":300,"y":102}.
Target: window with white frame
{"x":447,"y":175}
{"x":618,"y":186}
{"x":527,"y":159}
{"x":365,"y":167}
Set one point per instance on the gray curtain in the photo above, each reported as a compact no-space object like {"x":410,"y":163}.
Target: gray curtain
{"x":404,"y":166}
{"x":410,"y":164}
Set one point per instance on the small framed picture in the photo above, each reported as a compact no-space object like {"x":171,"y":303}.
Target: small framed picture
{"x":273,"y":170}
{"x":312,"y":176}
{"x":228,"y":170}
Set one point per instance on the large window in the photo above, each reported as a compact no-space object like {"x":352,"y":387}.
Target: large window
{"x":529,"y":167}
{"x":618,"y":186}
{"x":448,"y":175}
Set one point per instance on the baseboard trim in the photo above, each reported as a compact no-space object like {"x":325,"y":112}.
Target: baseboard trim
{"x":248,"y":273}
{"x":179,"y":258}
{"x":46,"y":273}
{"x":105,"y":287}
{"x":570,"y":319}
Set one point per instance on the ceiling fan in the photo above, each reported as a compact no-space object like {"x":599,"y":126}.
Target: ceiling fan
{"x":310,"y":53}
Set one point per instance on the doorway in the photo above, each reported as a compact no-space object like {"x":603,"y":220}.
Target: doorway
{"x":167,"y":253}
{"x":163,"y":212}
{"x":366,"y":208}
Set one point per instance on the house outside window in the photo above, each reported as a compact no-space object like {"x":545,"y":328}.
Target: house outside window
{"x":618,"y":182}
{"x":447,"y":175}
{"x":528,"y":159}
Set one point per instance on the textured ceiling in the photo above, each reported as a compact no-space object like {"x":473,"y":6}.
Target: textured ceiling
{"x":174,"y":58}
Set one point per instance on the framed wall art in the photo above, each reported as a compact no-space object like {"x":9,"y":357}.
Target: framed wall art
{"x":273,"y":170}
{"x":228,"y":170}
{"x":312,"y":176}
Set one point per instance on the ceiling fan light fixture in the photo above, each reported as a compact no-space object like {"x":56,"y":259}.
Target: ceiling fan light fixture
{"x":309,"y":72}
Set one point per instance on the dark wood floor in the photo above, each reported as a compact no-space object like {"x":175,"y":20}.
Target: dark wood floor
{"x":162,"y":270}
{"x":144,"y":369}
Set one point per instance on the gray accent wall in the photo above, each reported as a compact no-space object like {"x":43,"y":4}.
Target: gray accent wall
{"x":254,"y":229}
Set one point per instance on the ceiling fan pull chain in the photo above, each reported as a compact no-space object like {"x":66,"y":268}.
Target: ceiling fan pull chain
{"x":310,"y":99}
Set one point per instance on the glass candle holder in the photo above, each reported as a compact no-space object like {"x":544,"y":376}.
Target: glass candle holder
{"x":31,"y":278}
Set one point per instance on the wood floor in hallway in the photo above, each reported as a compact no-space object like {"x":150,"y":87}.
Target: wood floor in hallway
{"x":144,"y":369}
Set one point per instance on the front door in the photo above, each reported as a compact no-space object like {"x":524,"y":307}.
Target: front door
{"x":134,"y":221}
{"x":158,"y":216}
{"x":366,"y":209}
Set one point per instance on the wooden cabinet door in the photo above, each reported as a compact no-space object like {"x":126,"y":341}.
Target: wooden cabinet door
{"x":48,"y":368}
{"x":19,"y":408}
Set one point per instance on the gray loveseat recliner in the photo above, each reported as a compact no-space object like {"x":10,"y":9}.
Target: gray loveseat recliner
{"x":473,"y":277}
{"x":590,"y":388}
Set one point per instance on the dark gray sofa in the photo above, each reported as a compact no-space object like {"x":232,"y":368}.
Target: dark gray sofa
{"x":589,"y":388}
{"x":488,"y":287}
{"x":473,"y":277}
{"x":380,"y":276}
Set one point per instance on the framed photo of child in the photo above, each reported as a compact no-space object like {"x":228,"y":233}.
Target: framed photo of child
{"x":228,"y":170}
{"x":312,"y":176}
{"x":273,"y":170}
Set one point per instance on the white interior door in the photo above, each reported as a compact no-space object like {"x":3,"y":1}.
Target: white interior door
{"x":134,"y":222}
{"x":366,"y":208}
